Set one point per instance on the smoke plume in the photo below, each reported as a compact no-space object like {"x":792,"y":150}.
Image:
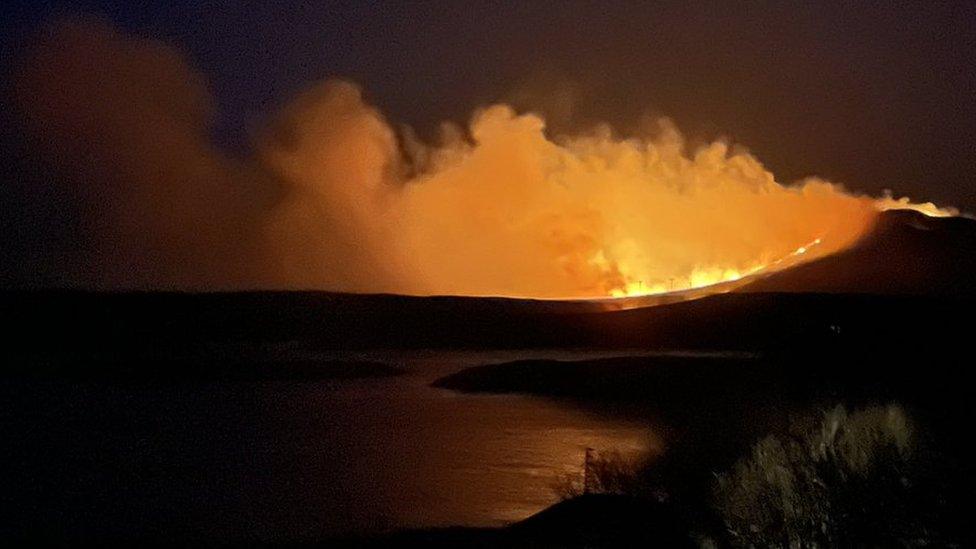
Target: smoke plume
{"x":334,"y":198}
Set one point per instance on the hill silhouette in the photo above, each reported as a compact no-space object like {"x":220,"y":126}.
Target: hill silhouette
{"x":906,"y":253}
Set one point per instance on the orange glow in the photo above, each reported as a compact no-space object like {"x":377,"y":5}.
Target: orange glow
{"x":887,"y":202}
{"x":503,"y":209}
{"x":336,"y":198}
{"x":703,"y":278}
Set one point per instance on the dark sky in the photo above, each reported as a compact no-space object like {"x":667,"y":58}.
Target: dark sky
{"x":874,"y":95}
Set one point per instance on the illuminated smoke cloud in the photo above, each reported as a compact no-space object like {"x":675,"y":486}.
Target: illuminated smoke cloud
{"x":330,"y":200}
{"x":125,"y":124}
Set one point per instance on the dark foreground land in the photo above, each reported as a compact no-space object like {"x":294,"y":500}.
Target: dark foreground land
{"x":713,"y":408}
{"x":182,"y":325}
{"x":595,"y":520}
{"x":780,"y":354}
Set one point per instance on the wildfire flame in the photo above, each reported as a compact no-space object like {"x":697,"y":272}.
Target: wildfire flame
{"x":702,"y":278}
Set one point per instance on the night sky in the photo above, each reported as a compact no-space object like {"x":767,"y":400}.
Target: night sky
{"x":877,"y":95}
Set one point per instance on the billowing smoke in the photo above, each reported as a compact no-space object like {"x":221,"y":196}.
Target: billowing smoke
{"x":124,"y":124}
{"x":334,"y":198}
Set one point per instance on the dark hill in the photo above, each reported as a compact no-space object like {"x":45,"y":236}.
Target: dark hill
{"x":906,"y":253}
{"x":594,"y":520}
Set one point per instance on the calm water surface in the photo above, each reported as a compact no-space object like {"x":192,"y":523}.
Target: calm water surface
{"x":291,"y":460}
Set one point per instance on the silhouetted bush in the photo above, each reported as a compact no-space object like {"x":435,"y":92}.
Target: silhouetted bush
{"x":847,"y":480}
{"x":609,"y":473}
